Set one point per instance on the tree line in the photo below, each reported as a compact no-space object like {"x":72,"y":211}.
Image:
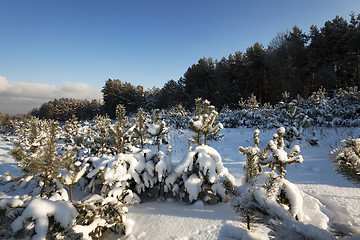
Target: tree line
{"x":294,"y":62}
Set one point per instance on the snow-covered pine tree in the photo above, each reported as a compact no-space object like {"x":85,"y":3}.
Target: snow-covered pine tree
{"x":157,"y":168}
{"x":71,"y":130}
{"x":45,"y":219}
{"x":203,"y":124}
{"x":177,"y":116}
{"x":88,"y":138}
{"x":157,"y":129}
{"x":278,"y":188}
{"x":106,"y":206}
{"x":71,"y":173}
{"x":252,"y":167}
{"x":42,"y":159}
{"x":296,"y":122}
{"x":102,"y":140}
{"x":157,"y":163}
{"x":346,"y":159}
{"x":252,"y":102}
{"x":140,"y":128}
{"x":269,"y":193}
{"x":199,"y":176}
{"x":286,"y":96}
{"x":278,"y":158}
{"x":120,"y":129}
{"x":28,"y":134}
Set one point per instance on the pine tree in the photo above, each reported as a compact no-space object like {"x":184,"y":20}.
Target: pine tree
{"x":157,"y":129}
{"x":42,"y":158}
{"x":102,"y":140}
{"x":71,"y":174}
{"x":72,"y":134}
{"x":203,"y":124}
{"x":119,"y":129}
{"x":199,"y":176}
{"x":279,"y":159}
{"x":140,"y":128}
{"x":110,"y":195}
{"x":252,"y":167}
{"x":347,"y":159}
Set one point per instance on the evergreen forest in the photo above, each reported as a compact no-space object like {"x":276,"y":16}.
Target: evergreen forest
{"x":294,"y":64}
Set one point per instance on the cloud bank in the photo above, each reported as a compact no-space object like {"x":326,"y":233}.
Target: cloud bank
{"x":22,"y":97}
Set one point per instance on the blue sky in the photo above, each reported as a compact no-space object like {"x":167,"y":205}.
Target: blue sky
{"x":62,"y":43}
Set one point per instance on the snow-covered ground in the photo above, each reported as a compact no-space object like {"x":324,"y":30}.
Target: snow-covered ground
{"x":338,"y":199}
{"x":315,"y":177}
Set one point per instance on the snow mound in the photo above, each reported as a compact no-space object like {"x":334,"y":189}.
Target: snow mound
{"x":40,"y":210}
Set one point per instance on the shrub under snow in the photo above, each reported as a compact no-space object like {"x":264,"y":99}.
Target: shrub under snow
{"x":199,"y":176}
{"x":40,"y":210}
{"x":347,"y":159}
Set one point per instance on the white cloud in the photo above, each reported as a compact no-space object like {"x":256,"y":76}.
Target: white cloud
{"x":22,"y":97}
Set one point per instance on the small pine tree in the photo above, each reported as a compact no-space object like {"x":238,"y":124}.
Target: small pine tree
{"x":72,"y":132}
{"x":286,"y":95}
{"x":88,"y":136}
{"x":102,"y":141}
{"x":71,"y":174}
{"x":347,"y":159}
{"x":43,"y":160}
{"x":106,"y":207}
{"x":119,"y":130}
{"x":203,"y":124}
{"x":157,"y":129}
{"x":140,"y":128}
{"x":252,"y":167}
{"x":279,"y":159}
{"x":296,"y":122}
{"x":199,"y":176}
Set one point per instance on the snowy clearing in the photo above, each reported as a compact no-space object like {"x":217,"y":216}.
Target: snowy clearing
{"x":337,"y":199}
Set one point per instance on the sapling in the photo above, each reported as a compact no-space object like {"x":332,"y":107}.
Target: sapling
{"x":119,"y":129}
{"x":279,"y":159}
{"x":346,"y":159}
{"x":89,"y":134}
{"x":252,"y":167}
{"x":42,"y":159}
{"x":107,"y":206}
{"x":157,"y":129}
{"x":203,"y":124}
{"x":297,"y":121}
{"x":199,"y":176}
{"x":268,"y":191}
{"x":102,"y":140}
{"x":140,"y":128}
{"x":277,"y":185}
{"x":71,"y":174}
{"x":72,"y":129}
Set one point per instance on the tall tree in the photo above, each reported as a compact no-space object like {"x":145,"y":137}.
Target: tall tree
{"x":116,"y":92}
{"x":255,"y":63}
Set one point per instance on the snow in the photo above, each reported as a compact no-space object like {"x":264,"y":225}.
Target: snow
{"x":193,"y":186}
{"x":86,"y":230}
{"x":163,"y":166}
{"x":10,"y":202}
{"x":174,"y":220}
{"x":329,"y":200}
{"x":40,"y":209}
{"x":295,"y":199}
